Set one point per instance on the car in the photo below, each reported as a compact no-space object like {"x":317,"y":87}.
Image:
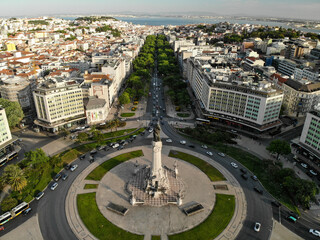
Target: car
{"x":134,"y":136}
{"x":254,"y":177}
{"x":64,"y":176}
{"x":210,"y":153}
{"x":314,"y":232}
{"x":1,"y":228}
{"x":28,"y":210}
{"x":294,"y":214}
{"x":183,"y":142}
{"x":115,"y":145}
{"x":221,"y":154}
{"x":74,"y":167}
{"x":101,"y":147}
{"x":54,"y":186}
{"x":120,"y":147}
{"x":313,"y":172}
{"x":233,"y":131}
{"x":191,"y":146}
{"x":57,"y":177}
{"x":123,"y":119}
{"x":122,"y":142}
{"x":82,"y":157}
{"x":258,"y":190}
{"x":91,"y":159}
{"x":67,"y":167}
{"x":204,"y":146}
{"x":169,"y":140}
{"x":244,"y":176}
{"x":39,"y":195}
{"x":304,"y":165}
{"x":257,"y":226}
{"x":151,"y":130}
{"x":243,"y":170}
{"x":276,"y":203}
{"x":94,"y":151}
{"x":233,"y":164}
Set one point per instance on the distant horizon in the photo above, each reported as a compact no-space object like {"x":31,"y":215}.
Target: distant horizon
{"x":284,"y":9}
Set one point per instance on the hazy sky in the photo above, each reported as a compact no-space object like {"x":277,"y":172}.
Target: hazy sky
{"x":306,"y":9}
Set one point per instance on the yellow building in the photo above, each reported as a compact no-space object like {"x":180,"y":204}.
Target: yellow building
{"x":11,"y":46}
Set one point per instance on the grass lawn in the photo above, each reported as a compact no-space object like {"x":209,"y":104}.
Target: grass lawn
{"x":217,"y":221}
{"x":90,"y":186}
{"x":102,"y":169}
{"x":119,"y":133}
{"x":155,"y":237}
{"x":70,"y":155}
{"x":96,"y":223}
{"x":259,"y":168}
{"x":130,"y":114}
{"x":183,"y":115}
{"x":210,"y":171}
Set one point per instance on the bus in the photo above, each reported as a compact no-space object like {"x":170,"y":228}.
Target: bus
{"x":12,"y":155}
{"x":5,"y":218}
{"x":19,"y":209}
{"x":3,"y":161}
{"x":202,"y":121}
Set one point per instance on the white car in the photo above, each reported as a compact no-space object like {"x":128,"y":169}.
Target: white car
{"x":233,"y":164}
{"x":304,"y":165}
{"x":221,"y":154}
{"x":257,"y":226}
{"x":313,"y":172}
{"x":115,"y":145}
{"x":183,"y":142}
{"x":74,"y":167}
{"x":150,"y":130}
{"x":233,"y":131}
{"x":54,"y":186}
{"x":39,"y":195}
{"x":169,"y":140}
{"x":314,"y":232}
{"x":204,"y":146}
{"x":210,"y":153}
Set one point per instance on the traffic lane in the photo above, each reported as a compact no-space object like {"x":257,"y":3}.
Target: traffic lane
{"x":52,"y":215}
{"x":17,"y":221}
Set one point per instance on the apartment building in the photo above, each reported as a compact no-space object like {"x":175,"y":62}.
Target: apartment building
{"x":59,"y":104}
{"x":5,"y":133}
{"x":235,"y":97}
{"x":310,"y":135}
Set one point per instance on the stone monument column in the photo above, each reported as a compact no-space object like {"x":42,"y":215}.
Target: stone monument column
{"x":156,"y":167}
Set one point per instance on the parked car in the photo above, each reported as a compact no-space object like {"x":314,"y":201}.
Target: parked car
{"x":183,"y":142}
{"x":254,"y":177}
{"x":221,"y":154}
{"x":233,"y":164}
{"x":243,"y":170}
{"x":233,"y":131}
{"x":115,"y":145}
{"x":314,"y":232}
{"x":257,"y":227}
{"x":94,"y":151}
{"x":258,"y":190}
{"x":1,"y":228}
{"x":82,"y":157}
{"x":28,"y":210}
{"x":102,"y":147}
{"x":204,"y":146}
{"x":313,"y":172}
{"x":276,"y":203}
{"x":64,"y":177}
{"x":91,"y":159}
{"x":57,"y":177}
{"x":74,"y":167}
{"x":54,"y":186}
{"x":210,"y":153}
{"x":39,"y":195}
{"x":169,"y":140}
{"x":304,"y":165}
{"x":244,"y":176}
{"x":67,"y":167}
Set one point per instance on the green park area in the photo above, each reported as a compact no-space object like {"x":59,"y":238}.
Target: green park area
{"x":209,"y":170}
{"x":217,"y":221}
{"x":103,"y":168}
{"x":127,"y":114}
{"x":96,"y":223}
{"x":183,"y":115}
{"x":90,"y":186}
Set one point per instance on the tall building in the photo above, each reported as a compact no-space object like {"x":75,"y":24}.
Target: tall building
{"x":235,"y":97}
{"x":5,"y":134}
{"x":59,"y":104}
{"x":310,"y":135}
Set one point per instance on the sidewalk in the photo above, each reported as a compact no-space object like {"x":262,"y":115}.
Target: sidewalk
{"x":279,"y":232}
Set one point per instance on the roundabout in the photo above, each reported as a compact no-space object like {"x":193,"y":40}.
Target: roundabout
{"x":92,"y":220}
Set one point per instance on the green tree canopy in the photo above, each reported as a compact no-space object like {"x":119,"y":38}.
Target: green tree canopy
{"x":36,"y":157}
{"x":279,"y":147}
{"x":14,"y":176}
{"x":82,"y":137}
{"x":13,"y":111}
{"x":124,"y":98}
{"x":8,"y":203}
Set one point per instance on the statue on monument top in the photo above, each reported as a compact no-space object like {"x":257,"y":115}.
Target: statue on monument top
{"x":156,"y":133}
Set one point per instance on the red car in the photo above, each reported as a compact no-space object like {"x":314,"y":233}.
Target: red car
{"x":1,"y":228}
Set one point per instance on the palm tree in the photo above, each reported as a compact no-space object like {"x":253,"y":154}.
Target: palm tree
{"x":14,"y":176}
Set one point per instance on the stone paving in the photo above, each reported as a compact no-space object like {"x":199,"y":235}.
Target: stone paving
{"x":155,"y":220}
